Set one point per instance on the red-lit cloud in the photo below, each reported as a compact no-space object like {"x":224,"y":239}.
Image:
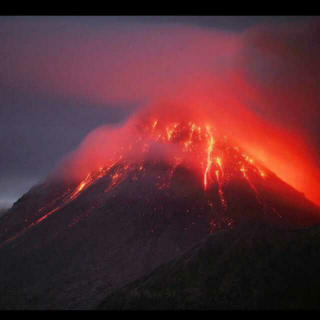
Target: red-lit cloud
{"x":260,"y":87}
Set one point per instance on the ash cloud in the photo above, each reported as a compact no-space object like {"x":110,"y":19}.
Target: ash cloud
{"x":260,"y":85}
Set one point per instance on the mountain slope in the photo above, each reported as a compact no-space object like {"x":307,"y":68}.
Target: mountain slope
{"x":256,"y":267}
{"x":2,"y":212}
{"x":66,"y":244}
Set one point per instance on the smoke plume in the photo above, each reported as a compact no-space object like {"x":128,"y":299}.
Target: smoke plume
{"x":259,"y":87}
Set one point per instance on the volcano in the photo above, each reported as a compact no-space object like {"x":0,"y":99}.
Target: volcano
{"x":66,"y":244}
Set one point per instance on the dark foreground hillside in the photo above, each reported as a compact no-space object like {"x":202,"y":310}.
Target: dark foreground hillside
{"x":2,"y":212}
{"x":255,"y":267}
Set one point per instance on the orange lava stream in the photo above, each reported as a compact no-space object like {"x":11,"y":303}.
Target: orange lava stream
{"x":244,"y":170}
{"x":220,"y":191}
{"x":89,"y":180}
{"x":197,"y":144}
{"x":209,"y":160}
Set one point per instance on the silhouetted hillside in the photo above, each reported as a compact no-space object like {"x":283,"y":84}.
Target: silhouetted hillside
{"x":3,"y":211}
{"x":66,"y":245}
{"x":256,"y":267}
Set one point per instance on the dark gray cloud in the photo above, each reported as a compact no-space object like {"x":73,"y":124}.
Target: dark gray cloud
{"x":37,"y":131}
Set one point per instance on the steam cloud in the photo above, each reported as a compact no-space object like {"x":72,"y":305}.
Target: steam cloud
{"x":260,"y":87}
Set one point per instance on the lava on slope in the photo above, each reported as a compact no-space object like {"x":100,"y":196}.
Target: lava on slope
{"x":223,"y":171}
{"x":79,"y":240}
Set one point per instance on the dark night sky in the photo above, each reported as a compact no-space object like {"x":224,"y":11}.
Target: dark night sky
{"x":37,"y":127}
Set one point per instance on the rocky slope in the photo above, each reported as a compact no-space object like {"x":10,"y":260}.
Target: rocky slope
{"x":66,"y":246}
{"x":255,"y":267}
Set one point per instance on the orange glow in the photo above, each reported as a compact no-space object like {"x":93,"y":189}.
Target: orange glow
{"x":201,"y":136}
{"x":186,"y":97}
{"x":209,"y":160}
{"x":219,"y":163}
{"x":219,"y":74}
{"x":244,"y":172}
{"x":199,"y":152}
{"x":154,"y":125}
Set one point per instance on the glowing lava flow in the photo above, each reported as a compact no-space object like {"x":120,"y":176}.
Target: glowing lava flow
{"x":154,"y":125}
{"x":120,"y":175}
{"x":209,"y":160}
{"x":90,"y":179}
{"x":198,"y":143}
{"x":220,"y":191}
{"x":195,"y":148}
{"x":65,"y":199}
{"x":171,"y":130}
